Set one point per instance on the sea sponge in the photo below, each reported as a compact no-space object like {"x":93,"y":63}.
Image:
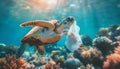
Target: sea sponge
{"x":103,"y":44}
{"x":112,"y":62}
{"x":10,"y":62}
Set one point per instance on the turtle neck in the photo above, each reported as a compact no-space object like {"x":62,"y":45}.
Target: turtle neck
{"x":60,"y":29}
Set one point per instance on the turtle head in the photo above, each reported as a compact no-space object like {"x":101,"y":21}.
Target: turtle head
{"x":67,"y":22}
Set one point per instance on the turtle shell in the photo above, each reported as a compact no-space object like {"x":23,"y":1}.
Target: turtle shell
{"x":40,"y":36}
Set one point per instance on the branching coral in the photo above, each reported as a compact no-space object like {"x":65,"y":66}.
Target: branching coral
{"x":112,"y":62}
{"x":10,"y":62}
{"x":93,"y":56}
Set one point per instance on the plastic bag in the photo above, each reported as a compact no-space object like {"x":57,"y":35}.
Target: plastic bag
{"x":73,"y":39}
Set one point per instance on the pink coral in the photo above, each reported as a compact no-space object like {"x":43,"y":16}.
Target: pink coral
{"x":112,"y":62}
{"x":10,"y":62}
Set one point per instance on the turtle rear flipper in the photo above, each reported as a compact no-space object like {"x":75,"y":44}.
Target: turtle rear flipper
{"x":40,"y":49}
{"x":39,"y":23}
{"x":21,"y":50}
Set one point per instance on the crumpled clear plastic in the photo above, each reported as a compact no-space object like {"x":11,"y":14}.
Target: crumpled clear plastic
{"x":73,"y":39}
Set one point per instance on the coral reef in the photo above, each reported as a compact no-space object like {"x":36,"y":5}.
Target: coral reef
{"x":51,"y":65}
{"x":10,"y":62}
{"x":117,"y":34}
{"x":57,"y":53}
{"x":40,"y":61}
{"x":77,"y":53}
{"x":101,"y":53}
{"x":93,"y":56}
{"x":86,"y":40}
{"x":103,"y":32}
{"x":103,"y":44}
{"x":5,"y":49}
{"x":112,"y":30}
{"x":72,"y":63}
{"x":112,"y":62}
{"x":117,"y":49}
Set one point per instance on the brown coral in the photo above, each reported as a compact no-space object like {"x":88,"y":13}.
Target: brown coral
{"x":93,"y":56}
{"x":112,"y":62}
{"x":10,"y":62}
{"x":91,"y":53}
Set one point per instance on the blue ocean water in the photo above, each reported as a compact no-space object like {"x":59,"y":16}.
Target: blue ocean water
{"x":90,"y":15}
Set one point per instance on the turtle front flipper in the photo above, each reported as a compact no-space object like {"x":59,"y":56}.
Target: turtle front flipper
{"x":38,"y":23}
{"x":40,"y":49}
{"x":21,"y":50}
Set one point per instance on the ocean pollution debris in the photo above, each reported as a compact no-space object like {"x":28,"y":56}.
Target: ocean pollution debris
{"x":43,"y":33}
{"x":73,"y":40}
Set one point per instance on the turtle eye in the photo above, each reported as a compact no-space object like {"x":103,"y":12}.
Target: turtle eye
{"x":65,"y":22}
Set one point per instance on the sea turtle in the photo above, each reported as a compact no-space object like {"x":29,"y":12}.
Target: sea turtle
{"x":44,"y":32}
